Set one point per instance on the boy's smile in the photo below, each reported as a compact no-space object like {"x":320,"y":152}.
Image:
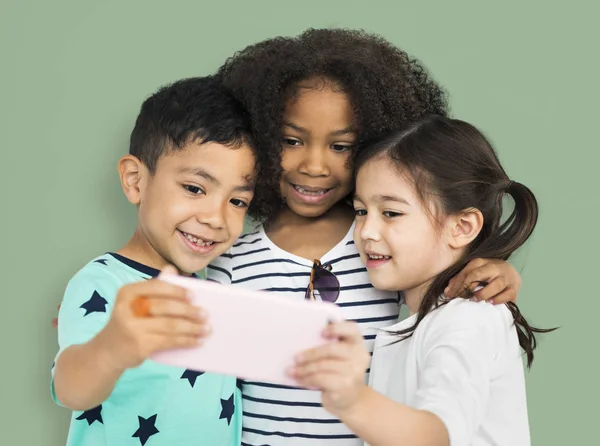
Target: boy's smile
{"x":192,"y":208}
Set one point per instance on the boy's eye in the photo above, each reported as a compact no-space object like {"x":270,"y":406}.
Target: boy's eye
{"x":392,"y":214}
{"x":291,"y":142}
{"x":193,"y":189}
{"x":340,"y":147}
{"x":360,"y":212}
{"x":239,"y":203}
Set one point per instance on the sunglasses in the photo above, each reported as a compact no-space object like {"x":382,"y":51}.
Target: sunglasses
{"x":323,"y":283}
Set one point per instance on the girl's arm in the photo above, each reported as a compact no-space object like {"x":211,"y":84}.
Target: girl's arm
{"x":502,"y":281}
{"x":383,"y":422}
{"x":455,"y":358}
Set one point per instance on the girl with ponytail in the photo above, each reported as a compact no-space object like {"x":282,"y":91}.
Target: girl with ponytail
{"x":429,"y":199}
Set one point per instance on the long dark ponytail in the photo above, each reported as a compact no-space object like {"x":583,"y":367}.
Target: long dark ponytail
{"x":452,"y":161}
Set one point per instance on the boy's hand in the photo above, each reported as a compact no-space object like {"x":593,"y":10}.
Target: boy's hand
{"x":501,"y":282}
{"x":171,"y":322}
{"x":337,"y":369}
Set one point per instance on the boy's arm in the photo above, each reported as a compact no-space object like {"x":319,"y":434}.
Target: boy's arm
{"x":85,"y":374}
{"x":96,"y":349}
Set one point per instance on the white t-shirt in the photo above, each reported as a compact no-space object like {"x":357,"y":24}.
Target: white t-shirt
{"x":276,"y":415}
{"x":462,"y":363}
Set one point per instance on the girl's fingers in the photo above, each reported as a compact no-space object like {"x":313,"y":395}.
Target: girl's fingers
{"x":470,"y":280}
{"x":491,"y":290}
{"x":326,"y":382}
{"x":508,"y":295}
{"x":340,"y":368}
{"x":348,"y":331}
{"x":336,"y":350}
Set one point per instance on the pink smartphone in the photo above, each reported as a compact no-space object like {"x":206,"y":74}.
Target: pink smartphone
{"x":255,"y":334}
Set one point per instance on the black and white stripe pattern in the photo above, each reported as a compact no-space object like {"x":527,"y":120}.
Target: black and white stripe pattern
{"x":277,"y":415}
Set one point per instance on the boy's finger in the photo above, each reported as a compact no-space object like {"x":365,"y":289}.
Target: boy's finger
{"x":173,"y":308}
{"x":173,"y":327}
{"x":141,"y":306}
{"x":162,"y":342}
{"x":153,"y":288}
{"x":55,"y":322}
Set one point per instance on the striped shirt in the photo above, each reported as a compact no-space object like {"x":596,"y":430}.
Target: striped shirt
{"x":277,"y":415}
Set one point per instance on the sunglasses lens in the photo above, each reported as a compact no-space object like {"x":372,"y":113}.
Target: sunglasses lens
{"x":326,"y":285}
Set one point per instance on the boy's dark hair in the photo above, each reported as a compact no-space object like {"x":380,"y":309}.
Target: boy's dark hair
{"x":386,"y":87}
{"x":453,"y":164}
{"x":197,"y":109}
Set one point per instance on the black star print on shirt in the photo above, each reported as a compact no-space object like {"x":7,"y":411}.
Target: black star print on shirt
{"x":191,"y":376}
{"x":103,"y":261}
{"x":146,"y":429}
{"x":92,"y":415}
{"x":227,"y":409}
{"x":96,"y":304}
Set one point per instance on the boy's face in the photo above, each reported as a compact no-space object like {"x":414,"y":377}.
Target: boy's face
{"x":192,"y":208}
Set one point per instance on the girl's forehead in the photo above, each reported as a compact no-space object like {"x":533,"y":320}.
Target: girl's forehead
{"x":317,"y":107}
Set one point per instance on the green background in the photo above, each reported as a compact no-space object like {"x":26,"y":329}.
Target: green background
{"x":73,"y":74}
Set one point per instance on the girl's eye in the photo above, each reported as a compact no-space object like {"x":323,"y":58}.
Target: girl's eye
{"x":340,"y":148}
{"x":360,"y":212}
{"x":193,"y":189}
{"x":291,"y":142}
{"x":392,"y":214}
{"x":239,"y":203}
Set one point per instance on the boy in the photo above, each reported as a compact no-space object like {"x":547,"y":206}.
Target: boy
{"x":190,"y":172}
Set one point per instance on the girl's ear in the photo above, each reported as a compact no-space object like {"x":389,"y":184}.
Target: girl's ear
{"x":132,"y":173}
{"x":464,"y":227}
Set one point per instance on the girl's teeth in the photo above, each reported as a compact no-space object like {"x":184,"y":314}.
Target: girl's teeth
{"x":377,"y":257}
{"x":306,"y":192}
{"x":193,"y":239}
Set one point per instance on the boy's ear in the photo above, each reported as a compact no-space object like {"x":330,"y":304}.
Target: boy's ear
{"x":464,"y":227}
{"x":132,"y":172}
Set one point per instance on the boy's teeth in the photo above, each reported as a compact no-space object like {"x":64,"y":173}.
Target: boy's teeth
{"x":307,"y":192}
{"x":193,"y":239}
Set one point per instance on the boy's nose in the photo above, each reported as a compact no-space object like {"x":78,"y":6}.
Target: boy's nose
{"x":213,"y":216}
